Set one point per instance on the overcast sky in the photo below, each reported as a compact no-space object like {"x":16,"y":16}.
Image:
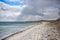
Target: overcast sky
{"x":29,"y":10}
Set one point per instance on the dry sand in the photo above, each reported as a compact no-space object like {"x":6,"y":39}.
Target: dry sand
{"x":44,"y":31}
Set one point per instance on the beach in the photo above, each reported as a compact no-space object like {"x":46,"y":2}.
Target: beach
{"x":9,"y":28}
{"x":44,"y":31}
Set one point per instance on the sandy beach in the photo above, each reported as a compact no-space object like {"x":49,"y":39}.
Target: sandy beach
{"x":44,"y":31}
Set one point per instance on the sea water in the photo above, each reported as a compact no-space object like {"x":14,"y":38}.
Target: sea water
{"x":8,"y":28}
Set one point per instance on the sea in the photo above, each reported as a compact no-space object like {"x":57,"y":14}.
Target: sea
{"x":8,"y":28}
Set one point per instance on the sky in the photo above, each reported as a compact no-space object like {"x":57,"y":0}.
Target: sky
{"x":29,"y":10}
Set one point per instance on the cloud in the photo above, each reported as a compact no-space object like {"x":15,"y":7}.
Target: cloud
{"x":43,"y":8}
{"x":32,"y":10}
{"x":51,"y":13}
{"x":13,"y":2}
{"x":9,"y":13}
{"x":48,"y":14}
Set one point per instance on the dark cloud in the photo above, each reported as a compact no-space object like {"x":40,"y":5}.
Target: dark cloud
{"x":34,"y":10}
{"x":28,"y":11}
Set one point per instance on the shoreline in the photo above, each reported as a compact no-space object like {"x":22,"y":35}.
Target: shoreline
{"x":22,"y":30}
{"x":45,"y":26}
